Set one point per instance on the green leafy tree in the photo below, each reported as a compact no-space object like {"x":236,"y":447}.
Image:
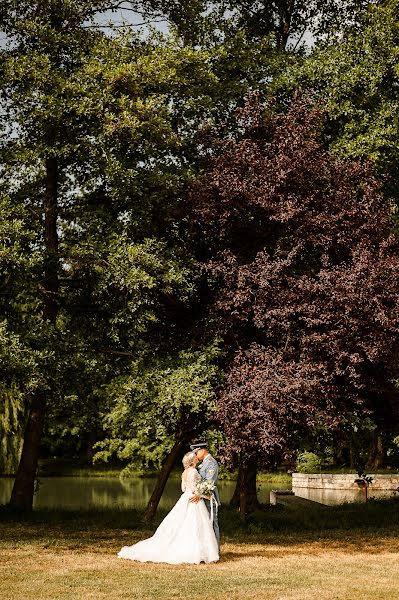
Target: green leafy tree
{"x":157,"y":408}
{"x":93,"y":157}
{"x":19,"y":362}
{"x":288,"y":21}
{"x":355,"y":74}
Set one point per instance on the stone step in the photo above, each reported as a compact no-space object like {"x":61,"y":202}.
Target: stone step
{"x":288,"y":499}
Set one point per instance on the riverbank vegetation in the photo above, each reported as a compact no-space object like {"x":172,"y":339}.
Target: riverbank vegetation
{"x":84,"y":468}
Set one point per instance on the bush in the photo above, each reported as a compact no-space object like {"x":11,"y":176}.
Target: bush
{"x":308,"y":462}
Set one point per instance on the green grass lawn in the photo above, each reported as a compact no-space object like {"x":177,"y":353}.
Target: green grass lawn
{"x":321,"y":553}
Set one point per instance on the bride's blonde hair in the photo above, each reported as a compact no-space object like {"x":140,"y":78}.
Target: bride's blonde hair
{"x":189,"y":459}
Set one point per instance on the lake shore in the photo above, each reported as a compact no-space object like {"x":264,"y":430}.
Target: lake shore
{"x":50,"y":467}
{"x":105,"y":493}
{"x":322,"y":554}
{"x":80,"y":468}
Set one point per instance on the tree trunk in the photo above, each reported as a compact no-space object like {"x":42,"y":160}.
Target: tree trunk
{"x":23,"y":489}
{"x":285,"y":24}
{"x":377,"y":456}
{"x":163,"y":477}
{"x":22,"y":493}
{"x":245,"y":494}
{"x":352,"y":457}
{"x":235,"y":499}
{"x":91,"y":440}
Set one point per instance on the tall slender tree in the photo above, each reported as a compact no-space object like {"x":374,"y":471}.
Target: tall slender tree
{"x":38,"y":48}
{"x":93,"y":145}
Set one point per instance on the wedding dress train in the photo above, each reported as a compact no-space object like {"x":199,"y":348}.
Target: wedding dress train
{"x":185,"y":535}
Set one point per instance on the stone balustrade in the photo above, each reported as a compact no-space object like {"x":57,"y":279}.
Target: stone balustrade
{"x":343,"y":481}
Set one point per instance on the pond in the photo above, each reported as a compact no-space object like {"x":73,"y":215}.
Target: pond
{"x":85,"y":493}
{"x":90,"y":493}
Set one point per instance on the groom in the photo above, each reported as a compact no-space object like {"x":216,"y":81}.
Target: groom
{"x":209,"y":470}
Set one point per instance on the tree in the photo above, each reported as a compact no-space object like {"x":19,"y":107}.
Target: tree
{"x":19,"y":367}
{"x":157,"y":408}
{"x":287,"y":21}
{"x":305,"y":272}
{"x":355,"y":74}
{"x":96,"y":149}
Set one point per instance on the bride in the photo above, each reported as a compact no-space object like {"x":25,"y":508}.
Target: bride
{"x":186,"y":534}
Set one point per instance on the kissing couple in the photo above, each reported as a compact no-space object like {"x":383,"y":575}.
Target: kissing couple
{"x":190,"y":531}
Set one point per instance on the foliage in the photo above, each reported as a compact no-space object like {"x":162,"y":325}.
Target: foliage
{"x":364,"y":478}
{"x":350,"y":447}
{"x":116,"y":116}
{"x":128,"y":120}
{"x":157,"y":400}
{"x":11,"y":429}
{"x":308,"y":462}
{"x":393,"y":452}
{"x":287,"y":21}
{"x":355,"y":74}
{"x":291,"y":20}
{"x":20,"y":377}
{"x":308,"y":302}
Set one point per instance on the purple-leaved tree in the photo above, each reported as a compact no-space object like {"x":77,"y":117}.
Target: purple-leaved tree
{"x":305,"y":271}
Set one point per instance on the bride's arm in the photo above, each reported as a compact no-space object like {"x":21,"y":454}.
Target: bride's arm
{"x":193,"y":477}
{"x":183,"y":483}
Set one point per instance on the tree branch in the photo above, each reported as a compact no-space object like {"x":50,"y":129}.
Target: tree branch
{"x":120,"y":6}
{"x":120,"y":25}
{"x":299,"y":40}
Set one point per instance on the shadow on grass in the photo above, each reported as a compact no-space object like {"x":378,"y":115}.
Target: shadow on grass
{"x":347,"y":524}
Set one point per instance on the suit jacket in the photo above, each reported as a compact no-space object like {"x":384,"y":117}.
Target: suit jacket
{"x":209,"y":470}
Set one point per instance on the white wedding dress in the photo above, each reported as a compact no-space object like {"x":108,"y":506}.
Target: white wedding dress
{"x":185,"y":535}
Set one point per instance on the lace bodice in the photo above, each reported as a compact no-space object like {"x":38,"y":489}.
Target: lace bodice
{"x":189,"y":480}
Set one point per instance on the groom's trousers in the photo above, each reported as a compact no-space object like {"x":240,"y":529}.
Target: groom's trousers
{"x":215,"y":519}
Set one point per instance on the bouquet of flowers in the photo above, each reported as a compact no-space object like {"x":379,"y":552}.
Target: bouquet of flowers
{"x":205,"y":487}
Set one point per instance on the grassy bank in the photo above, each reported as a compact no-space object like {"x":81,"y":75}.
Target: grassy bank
{"x":81,"y":468}
{"x":325,"y":553}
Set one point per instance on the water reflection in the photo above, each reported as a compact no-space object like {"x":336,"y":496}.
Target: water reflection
{"x":334,"y":497}
{"x":85,"y":493}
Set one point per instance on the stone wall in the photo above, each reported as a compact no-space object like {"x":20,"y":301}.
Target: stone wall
{"x":345,"y":481}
